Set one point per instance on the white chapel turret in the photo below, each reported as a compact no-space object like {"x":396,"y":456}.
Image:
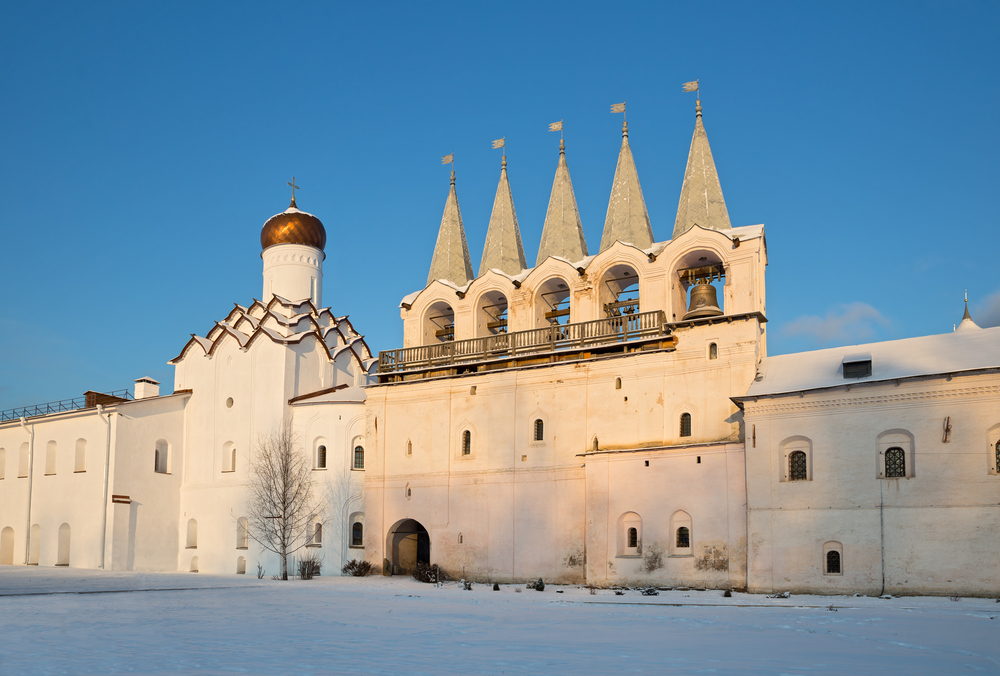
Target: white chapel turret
{"x":292,"y":249}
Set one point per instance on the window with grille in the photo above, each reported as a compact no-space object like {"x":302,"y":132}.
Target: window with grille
{"x":797,"y":467}
{"x":895,"y":462}
{"x":685,"y":424}
{"x":833,"y":562}
{"x":466,"y":442}
{"x":359,"y":457}
{"x":539,"y":430}
{"x":683,"y":537}
{"x":713,"y":351}
{"x":998,"y":457}
{"x":633,"y":537}
{"x":321,"y":457}
{"x":357,"y":535}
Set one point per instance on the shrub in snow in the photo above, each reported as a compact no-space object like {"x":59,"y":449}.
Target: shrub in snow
{"x":425,"y":572}
{"x":650,"y":591}
{"x":496,"y":587}
{"x":782,"y":595}
{"x":260,"y":572}
{"x":466,"y":585}
{"x":539,"y":585}
{"x":309,"y":567}
{"x":727,"y":593}
{"x":357,"y":568}
{"x":517,"y":590}
{"x":619,"y":592}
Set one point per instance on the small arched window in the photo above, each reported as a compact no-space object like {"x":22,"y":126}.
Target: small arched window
{"x":357,"y":535}
{"x":713,"y":351}
{"x":895,"y":462}
{"x":194,"y":564}
{"x":997,"y":458}
{"x":80,"y":461}
{"x":192,"y":534}
{"x":683,"y":538}
{"x":62,"y":554}
{"x":161,"y":457}
{"x":539,"y":430}
{"x":633,"y":537}
{"x":232,"y":462}
{"x":359,"y":457}
{"x":318,"y":534}
{"x":51,"y":451}
{"x":618,"y":383}
{"x":321,"y":457}
{"x":242,"y":533}
{"x":797,"y":467}
{"x":409,"y":493}
{"x":409,"y":447}
{"x":596,"y":444}
{"x":241,"y":565}
{"x":466,"y":442}
{"x":833,"y":562}
{"x":685,"y":424}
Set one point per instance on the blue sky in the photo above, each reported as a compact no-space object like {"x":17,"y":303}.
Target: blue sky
{"x":142,"y":148}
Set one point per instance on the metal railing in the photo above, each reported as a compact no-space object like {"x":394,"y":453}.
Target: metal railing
{"x":74,"y":404}
{"x":510,"y":345}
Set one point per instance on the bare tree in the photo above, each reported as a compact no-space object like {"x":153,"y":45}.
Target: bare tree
{"x":281,"y":505}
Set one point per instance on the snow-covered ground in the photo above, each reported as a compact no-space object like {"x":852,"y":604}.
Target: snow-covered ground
{"x":68,"y":621}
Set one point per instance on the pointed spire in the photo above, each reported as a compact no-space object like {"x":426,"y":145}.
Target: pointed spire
{"x":627,"y":220}
{"x":967,"y":322}
{"x":451,"y":261}
{"x":503,"y":249}
{"x":701,"y":200}
{"x":562,"y":234}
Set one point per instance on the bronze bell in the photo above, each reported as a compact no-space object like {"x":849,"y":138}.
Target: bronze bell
{"x":704,"y":302}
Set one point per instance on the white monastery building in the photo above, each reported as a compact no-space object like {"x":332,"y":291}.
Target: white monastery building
{"x":608,"y":418}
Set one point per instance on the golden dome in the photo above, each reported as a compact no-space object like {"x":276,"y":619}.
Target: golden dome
{"x":293,"y":227}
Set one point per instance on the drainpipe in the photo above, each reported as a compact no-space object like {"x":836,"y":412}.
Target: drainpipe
{"x":31,"y":478}
{"x":107,"y":468}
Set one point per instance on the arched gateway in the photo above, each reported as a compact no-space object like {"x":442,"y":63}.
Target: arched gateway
{"x":407,"y":544}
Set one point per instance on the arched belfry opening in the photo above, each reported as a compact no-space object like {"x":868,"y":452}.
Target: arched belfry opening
{"x":439,"y":324}
{"x":552,"y":304}
{"x":491,"y":315}
{"x":407,"y":545}
{"x":701,"y":279}
{"x":619,"y":291}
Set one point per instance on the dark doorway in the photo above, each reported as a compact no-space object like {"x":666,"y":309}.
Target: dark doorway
{"x":409,"y":544}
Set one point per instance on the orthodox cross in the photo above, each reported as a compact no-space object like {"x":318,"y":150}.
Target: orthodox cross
{"x":294,"y":187}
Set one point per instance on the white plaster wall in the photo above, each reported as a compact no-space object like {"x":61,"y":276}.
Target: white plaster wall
{"x":939,"y":523}
{"x":294,"y":272}
{"x":705,"y":482}
{"x":143,"y":534}
{"x":519,"y":506}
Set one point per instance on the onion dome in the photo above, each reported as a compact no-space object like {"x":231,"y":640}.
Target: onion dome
{"x":292,"y":226}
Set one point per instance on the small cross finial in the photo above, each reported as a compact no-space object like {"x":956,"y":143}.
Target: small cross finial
{"x":294,"y":188}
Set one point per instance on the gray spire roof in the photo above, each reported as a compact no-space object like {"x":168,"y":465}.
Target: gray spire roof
{"x":967,"y":322}
{"x":451,"y":260}
{"x":627,"y":220}
{"x":562,"y":234}
{"x":503,"y":249}
{"x":701,"y":200}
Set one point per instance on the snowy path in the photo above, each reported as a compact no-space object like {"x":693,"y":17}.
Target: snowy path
{"x":199,"y":624}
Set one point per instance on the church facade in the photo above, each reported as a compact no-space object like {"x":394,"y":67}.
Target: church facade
{"x":159,"y":483}
{"x":607,"y":418}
